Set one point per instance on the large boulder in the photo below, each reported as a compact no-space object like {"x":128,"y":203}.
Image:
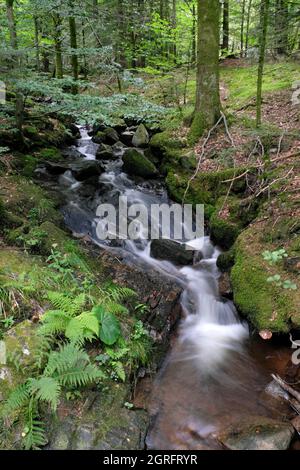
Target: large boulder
{"x":141,"y":137}
{"x":127,"y":137}
{"x":135,"y":163}
{"x":102,"y":423}
{"x":105,"y":152}
{"x":86,"y":169}
{"x":173,"y":251}
{"x":258,"y":433}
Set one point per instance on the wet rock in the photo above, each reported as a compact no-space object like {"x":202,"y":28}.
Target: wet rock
{"x":127,"y":137}
{"x":118,"y":148}
{"x":105,"y":152}
{"x":56,"y":168}
{"x":141,"y":137}
{"x":274,"y":389}
{"x":86,"y":169}
{"x":135,"y":163}
{"x":258,"y":433}
{"x":296,"y":423}
{"x":173,"y":251}
{"x":161,"y":294}
{"x":99,"y":138}
{"x":98,"y":422}
{"x":111,"y":136}
{"x":225,"y":286}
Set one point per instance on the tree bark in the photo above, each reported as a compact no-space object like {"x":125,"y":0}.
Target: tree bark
{"x":248,"y":26}
{"x":243,"y":27}
{"x":207,"y":110}
{"x":59,"y":73}
{"x":264,"y":16}
{"x":73,"y":43}
{"x":225,"y":44}
{"x":281,"y":26}
{"x":37,"y":44}
{"x":11,"y":24}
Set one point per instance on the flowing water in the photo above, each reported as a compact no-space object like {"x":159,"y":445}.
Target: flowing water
{"x":211,"y":377}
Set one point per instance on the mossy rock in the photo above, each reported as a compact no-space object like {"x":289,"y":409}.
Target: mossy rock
{"x":225,"y":223}
{"x":53,"y":154}
{"x":266,"y":305}
{"x":226,"y":261}
{"x":206,"y":188}
{"x":53,"y":236}
{"x":135,"y":163}
{"x":22,"y":198}
{"x":21,"y":345}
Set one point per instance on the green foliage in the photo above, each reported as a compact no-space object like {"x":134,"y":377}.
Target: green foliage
{"x":77,"y":325}
{"x":274,"y":256}
{"x":68,"y":368}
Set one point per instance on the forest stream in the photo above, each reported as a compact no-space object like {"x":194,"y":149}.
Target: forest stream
{"x":213,"y":375}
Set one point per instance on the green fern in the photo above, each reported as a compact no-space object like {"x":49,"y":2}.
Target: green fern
{"x":68,"y":368}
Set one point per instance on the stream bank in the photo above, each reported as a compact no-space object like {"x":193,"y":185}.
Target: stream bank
{"x":164,"y":313}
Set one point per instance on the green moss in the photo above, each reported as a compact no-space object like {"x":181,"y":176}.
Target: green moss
{"x":223,"y":233}
{"x":226,"y":261}
{"x":135,"y":163}
{"x":266,"y":305}
{"x":51,"y":153}
{"x":21,"y":343}
{"x":206,"y":188}
{"x":49,"y":235}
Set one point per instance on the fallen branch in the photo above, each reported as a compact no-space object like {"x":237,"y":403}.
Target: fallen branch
{"x":267,"y":188}
{"x":286,"y":387}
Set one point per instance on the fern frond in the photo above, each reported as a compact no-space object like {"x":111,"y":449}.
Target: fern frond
{"x":16,"y":400}
{"x":54,"y":322}
{"x":118,"y":293}
{"x":45,"y":389}
{"x":80,"y":378}
{"x":66,"y":303}
{"x":35,"y":436}
{"x":116,"y":308}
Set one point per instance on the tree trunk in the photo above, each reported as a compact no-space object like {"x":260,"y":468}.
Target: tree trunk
{"x":208,"y":106}
{"x":225,"y":44}
{"x":73,"y":43}
{"x":243,"y":27}
{"x":59,"y":73}
{"x":248,"y":25}
{"x":194,"y":36}
{"x":174,"y":26}
{"x":12,"y":27}
{"x":264,"y":16}
{"x":37,"y":44}
{"x":281,"y":26}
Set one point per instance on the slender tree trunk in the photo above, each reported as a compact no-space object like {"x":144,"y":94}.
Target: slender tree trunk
{"x":73,"y":43}
{"x":243,"y":27}
{"x":248,"y":26}
{"x":37,"y":44}
{"x":11,"y":24}
{"x":174,"y":26}
{"x":59,"y":73}
{"x":207,"y":110}
{"x":264,"y":17}
{"x":194,"y":37}
{"x":281,"y":26}
{"x":225,"y":44}
{"x":85,"y":66}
